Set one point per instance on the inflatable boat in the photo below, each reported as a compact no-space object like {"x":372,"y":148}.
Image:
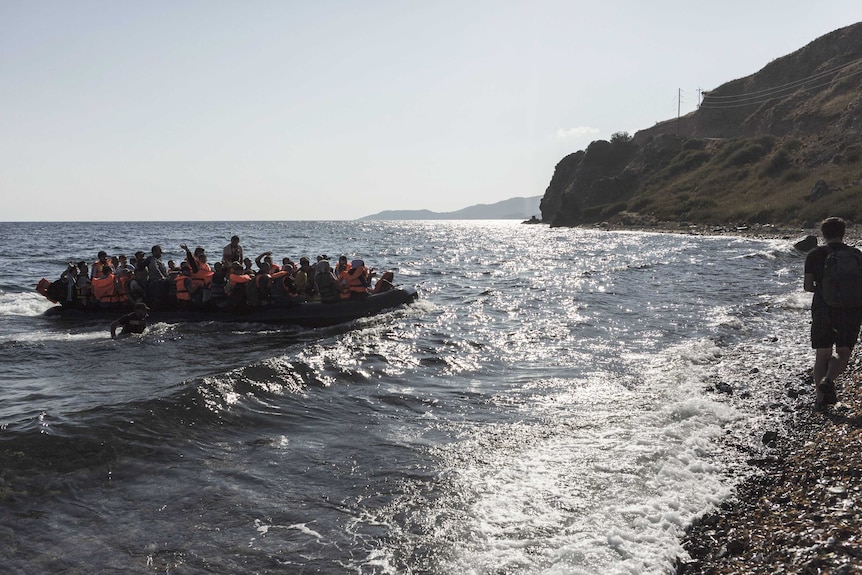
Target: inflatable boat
{"x":304,"y":314}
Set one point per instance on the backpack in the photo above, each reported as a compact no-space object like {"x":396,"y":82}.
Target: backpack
{"x":842,"y":278}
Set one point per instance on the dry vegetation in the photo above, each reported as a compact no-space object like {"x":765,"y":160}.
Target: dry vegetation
{"x":758,"y":180}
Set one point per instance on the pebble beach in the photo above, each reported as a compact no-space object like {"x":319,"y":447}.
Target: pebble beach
{"x":803,"y":512}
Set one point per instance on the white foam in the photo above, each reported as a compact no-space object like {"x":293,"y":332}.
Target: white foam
{"x":23,"y":304}
{"x":55,"y":335}
{"x":606,"y":481}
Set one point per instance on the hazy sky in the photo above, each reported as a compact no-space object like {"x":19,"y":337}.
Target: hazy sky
{"x":280,"y":110}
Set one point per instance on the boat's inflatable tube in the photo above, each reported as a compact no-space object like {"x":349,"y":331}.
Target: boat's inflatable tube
{"x":307,"y":314}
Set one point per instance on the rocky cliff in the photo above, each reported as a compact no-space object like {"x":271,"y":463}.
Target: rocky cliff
{"x":779,"y":146}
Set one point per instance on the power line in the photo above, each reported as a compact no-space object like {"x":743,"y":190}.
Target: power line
{"x":789,"y":85}
{"x":752,"y":100}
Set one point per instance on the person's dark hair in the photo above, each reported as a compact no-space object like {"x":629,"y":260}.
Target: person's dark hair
{"x":833,"y":228}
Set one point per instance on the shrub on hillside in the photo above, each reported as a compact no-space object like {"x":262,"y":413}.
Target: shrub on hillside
{"x":748,"y":154}
{"x":791,"y":145}
{"x":728,"y":147}
{"x":776,"y":164}
{"x":640,"y":203}
{"x":618,"y":138}
{"x":685,"y":162}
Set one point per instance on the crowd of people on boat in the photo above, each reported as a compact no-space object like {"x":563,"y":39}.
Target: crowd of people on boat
{"x":234,"y":282}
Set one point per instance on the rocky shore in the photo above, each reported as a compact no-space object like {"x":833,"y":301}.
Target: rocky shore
{"x":636,"y":222}
{"x":803,"y":512}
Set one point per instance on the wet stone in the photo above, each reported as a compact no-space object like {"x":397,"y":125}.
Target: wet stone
{"x":803,"y":513}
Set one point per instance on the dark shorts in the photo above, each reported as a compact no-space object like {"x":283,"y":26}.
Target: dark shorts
{"x":835,"y":326}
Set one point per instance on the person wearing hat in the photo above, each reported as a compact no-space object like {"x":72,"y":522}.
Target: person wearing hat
{"x":135,"y":322}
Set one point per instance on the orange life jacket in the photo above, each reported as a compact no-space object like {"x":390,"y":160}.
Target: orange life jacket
{"x":182,"y":291}
{"x":122,"y":287}
{"x":204,"y":275}
{"x":353,"y":281}
{"x":104,"y":290}
{"x":234,"y":279}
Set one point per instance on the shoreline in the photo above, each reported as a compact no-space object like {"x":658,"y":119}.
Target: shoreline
{"x":803,"y":512}
{"x":754,"y":231}
{"x":800,"y":508}
{"x":759,"y":231}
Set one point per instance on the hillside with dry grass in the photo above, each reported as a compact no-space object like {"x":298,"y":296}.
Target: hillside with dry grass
{"x":780,"y":147}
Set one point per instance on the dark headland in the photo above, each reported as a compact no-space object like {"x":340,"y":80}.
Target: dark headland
{"x":780,"y":147}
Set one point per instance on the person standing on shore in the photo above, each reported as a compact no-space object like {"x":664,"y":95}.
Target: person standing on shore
{"x":833,"y":273}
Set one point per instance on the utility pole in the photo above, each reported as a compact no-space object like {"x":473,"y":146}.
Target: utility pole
{"x":678,"y":107}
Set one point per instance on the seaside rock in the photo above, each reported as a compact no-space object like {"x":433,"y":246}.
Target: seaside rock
{"x":769,"y":438}
{"x":736,"y":546}
{"x":806,"y":244}
{"x":723,"y":387}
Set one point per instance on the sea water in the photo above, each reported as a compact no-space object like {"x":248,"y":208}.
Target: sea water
{"x":557,"y":401}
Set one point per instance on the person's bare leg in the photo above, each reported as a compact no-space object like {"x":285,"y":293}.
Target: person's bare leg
{"x":822,"y":360}
{"x":838,"y":363}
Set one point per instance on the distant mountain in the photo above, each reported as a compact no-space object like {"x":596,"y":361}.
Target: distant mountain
{"x":511,"y":209}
